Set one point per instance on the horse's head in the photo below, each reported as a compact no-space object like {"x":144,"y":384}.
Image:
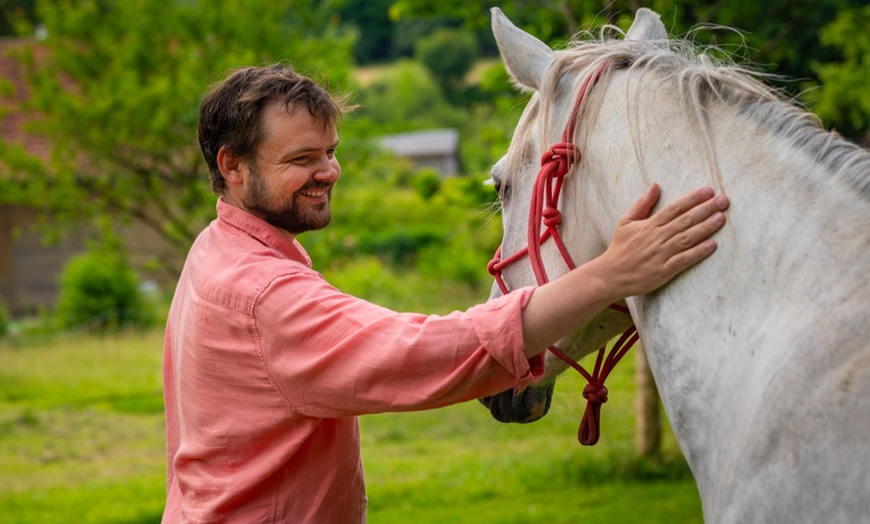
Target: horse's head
{"x":556,"y":84}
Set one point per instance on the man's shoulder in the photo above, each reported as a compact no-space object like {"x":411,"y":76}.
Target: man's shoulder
{"x":235,"y":269}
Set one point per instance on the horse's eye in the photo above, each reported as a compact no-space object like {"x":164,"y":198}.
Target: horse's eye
{"x":502,"y":188}
{"x":504,"y":192}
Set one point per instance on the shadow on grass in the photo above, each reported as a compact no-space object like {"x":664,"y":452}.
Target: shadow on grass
{"x":629,"y":468}
{"x":153,"y":518}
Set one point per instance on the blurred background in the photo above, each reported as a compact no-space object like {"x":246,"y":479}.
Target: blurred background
{"x":102,"y":191}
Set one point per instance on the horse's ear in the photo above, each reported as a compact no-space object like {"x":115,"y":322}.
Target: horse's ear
{"x":525,"y":57}
{"x":647,"y":25}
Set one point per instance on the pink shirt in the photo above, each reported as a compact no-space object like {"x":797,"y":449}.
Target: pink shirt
{"x":267,"y":366}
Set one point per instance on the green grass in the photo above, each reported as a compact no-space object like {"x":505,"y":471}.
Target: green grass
{"x":81,"y":430}
{"x":82,"y":436}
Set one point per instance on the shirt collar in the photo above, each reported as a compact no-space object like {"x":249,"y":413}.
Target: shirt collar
{"x":261,"y":230}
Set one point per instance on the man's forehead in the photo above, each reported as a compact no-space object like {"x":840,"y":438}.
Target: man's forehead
{"x":294,"y":109}
{"x":292,"y":133}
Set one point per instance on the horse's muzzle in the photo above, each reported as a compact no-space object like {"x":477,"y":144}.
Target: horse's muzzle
{"x":529,"y":405}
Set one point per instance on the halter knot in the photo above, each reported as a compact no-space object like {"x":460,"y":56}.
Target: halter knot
{"x":595,"y":394}
{"x":564,"y":154}
{"x":552,"y":216}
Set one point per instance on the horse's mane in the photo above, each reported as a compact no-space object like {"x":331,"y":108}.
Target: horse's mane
{"x":702,"y":79}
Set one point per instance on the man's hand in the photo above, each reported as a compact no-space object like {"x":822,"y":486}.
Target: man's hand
{"x":648,"y":251}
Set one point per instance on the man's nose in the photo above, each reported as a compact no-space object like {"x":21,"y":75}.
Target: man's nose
{"x":330,"y":172}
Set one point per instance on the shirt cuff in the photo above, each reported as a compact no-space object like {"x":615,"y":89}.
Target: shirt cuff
{"x":499,"y":327}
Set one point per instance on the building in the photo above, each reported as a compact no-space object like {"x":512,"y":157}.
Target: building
{"x":437,"y":149}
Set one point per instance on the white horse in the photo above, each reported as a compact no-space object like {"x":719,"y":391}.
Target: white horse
{"x":761,"y":353}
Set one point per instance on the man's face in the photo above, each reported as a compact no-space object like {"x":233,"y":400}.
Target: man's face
{"x":290,"y":183}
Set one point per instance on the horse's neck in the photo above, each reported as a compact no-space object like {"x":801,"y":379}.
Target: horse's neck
{"x":792,"y":227}
{"x":791,"y":257}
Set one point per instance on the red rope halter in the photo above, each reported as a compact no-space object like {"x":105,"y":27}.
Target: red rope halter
{"x":544,"y":211}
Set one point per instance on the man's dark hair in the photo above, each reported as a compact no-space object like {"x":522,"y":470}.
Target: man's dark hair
{"x":231,"y":113}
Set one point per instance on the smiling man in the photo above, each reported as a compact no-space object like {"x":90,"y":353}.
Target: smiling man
{"x":266,"y":366}
{"x":299,"y":160}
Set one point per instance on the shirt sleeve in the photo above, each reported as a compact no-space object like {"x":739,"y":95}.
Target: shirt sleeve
{"x":334,"y":355}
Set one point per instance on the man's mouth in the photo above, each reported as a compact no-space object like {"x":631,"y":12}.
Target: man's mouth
{"x":315,"y":193}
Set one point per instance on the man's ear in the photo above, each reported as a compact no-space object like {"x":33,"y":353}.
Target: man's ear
{"x":230,"y":166}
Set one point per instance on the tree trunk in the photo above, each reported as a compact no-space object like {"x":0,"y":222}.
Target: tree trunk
{"x":648,"y":426}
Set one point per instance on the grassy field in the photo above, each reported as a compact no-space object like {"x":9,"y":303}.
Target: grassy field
{"x":82,"y":435}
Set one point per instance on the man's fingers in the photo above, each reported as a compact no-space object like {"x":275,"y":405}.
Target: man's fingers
{"x":687,"y":210}
{"x":642,"y":207}
{"x":688,"y":258}
{"x":697,"y":233}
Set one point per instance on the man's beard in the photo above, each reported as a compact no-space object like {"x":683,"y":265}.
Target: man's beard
{"x":289,"y":216}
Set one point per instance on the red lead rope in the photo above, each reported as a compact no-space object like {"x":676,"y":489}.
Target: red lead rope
{"x":544,"y":211}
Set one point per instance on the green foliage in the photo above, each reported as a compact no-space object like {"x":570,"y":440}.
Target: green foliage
{"x":776,"y":36}
{"x":449,"y":55}
{"x":491,"y":123}
{"x":426,"y":182}
{"x":117,"y":93}
{"x":370,"y":18}
{"x":406,"y":98}
{"x":100,"y":290}
{"x":13,"y":12}
{"x":845,"y":97}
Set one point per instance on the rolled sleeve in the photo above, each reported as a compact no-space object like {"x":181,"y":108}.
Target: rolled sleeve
{"x":499,"y":328}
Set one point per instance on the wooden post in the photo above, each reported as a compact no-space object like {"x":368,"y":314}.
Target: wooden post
{"x":648,"y":425}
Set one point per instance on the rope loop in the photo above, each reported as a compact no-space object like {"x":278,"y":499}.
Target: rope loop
{"x":493,"y":265}
{"x":590,"y":426}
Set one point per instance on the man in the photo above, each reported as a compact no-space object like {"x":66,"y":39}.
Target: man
{"x":267,"y":366}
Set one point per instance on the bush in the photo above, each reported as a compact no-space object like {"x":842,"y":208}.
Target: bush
{"x":449,"y":54}
{"x":426,"y":182}
{"x":101,"y":290}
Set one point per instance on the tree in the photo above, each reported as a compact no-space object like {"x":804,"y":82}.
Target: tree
{"x":13,"y":12}
{"x":845,"y":98}
{"x":449,"y":54}
{"x":778,"y":36}
{"x":117,"y":95}
{"x":370,"y":19}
